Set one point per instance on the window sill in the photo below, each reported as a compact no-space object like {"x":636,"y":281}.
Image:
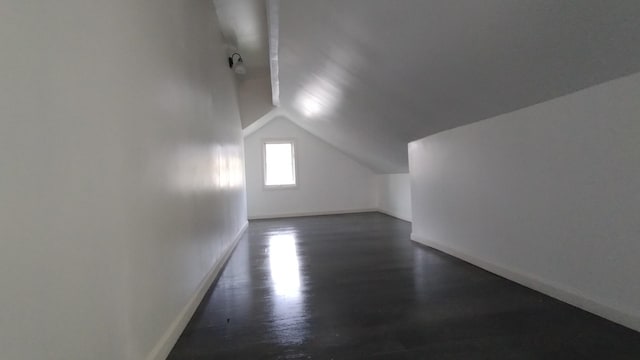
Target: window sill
{"x":280,"y":187}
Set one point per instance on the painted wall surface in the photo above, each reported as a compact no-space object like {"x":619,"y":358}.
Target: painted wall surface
{"x":328,"y":180}
{"x":394,"y":195}
{"x":547,"y":195}
{"x":254,"y":97}
{"x":121,"y":180}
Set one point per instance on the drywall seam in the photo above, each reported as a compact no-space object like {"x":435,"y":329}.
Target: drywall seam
{"x":168,"y":340}
{"x":573,"y":297}
{"x":320,"y":213}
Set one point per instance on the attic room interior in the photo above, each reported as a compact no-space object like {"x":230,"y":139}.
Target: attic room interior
{"x":319,"y":179}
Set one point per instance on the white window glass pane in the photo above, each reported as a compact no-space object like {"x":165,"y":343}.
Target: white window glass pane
{"x":279,"y":166}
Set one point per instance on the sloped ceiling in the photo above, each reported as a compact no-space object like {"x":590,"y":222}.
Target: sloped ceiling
{"x":243,"y":24}
{"x":368,"y":76}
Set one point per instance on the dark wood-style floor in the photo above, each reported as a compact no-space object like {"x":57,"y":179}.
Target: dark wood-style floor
{"x":355,"y":287}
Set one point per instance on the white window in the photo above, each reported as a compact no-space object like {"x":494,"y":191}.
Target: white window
{"x":279,"y":164}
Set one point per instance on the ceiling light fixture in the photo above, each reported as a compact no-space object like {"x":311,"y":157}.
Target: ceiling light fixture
{"x":237,"y":65}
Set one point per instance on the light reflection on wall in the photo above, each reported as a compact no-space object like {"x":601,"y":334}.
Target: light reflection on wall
{"x":208,"y":168}
{"x":228,"y":167}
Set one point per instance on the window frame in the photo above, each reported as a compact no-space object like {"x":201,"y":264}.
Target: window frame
{"x":291,"y":141}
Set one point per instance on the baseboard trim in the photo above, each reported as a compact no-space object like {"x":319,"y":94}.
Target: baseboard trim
{"x":624,"y":317}
{"x":170,"y":337}
{"x":393,"y":215}
{"x":304,"y":214}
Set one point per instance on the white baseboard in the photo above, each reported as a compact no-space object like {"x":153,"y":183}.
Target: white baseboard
{"x":394,"y":215}
{"x":170,"y":337}
{"x":625,"y":317}
{"x":319,"y":213}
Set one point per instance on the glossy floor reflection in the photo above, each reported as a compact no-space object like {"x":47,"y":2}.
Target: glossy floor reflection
{"x":355,"y":287}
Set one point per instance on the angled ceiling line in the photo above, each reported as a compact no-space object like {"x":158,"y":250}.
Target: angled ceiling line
{"x":263,"y":120}
{"x":281,"y":113}
{"x":460,"y":62}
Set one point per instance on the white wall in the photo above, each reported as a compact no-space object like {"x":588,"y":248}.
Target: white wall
{"x":547,"y":195}
{"x":254,"y":97}
{"x":328,"y":180}
{"x":121,"y":181}
{"x":394,"y":195}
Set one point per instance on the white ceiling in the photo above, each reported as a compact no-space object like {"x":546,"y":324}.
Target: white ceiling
{"x":368,"y":76}
{"x":243,"y":24}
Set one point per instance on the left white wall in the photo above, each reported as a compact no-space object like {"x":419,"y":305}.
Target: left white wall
{"x":121,"y":186}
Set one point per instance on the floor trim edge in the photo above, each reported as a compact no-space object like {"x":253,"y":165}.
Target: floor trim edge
{"x":388,"y":213}
{"x":304,"y":214}
{"x":163,"y":347}
{"x":562,"y":293}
